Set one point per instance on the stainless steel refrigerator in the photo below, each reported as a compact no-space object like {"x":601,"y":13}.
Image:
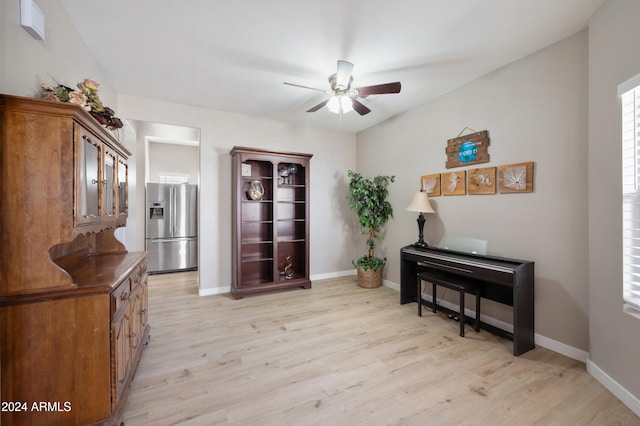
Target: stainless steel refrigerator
{"x":172,"y":227}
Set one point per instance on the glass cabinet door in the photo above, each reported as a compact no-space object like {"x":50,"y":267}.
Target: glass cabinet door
{"x":89,"y":180}
{"x":122,"y":187}
{"x":109,"y":183}
{"x":100,"y":182}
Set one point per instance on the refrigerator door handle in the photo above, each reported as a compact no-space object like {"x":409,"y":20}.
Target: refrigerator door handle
{"x":170,"y":240}
{"x":171,"y":211}
{"x":174,"y":198}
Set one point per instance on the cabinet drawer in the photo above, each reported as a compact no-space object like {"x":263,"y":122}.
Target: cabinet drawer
{"x":137,"y":274}
{"x":120,"y":296}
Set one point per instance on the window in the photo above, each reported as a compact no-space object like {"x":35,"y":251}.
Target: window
{"x":174,"y":178}
{"x":629,"y":93}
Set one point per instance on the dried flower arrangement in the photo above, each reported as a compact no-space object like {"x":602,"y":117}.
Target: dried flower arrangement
{"x":87,"y":97}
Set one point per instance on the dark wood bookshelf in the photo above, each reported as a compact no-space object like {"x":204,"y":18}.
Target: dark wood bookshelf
{"x":272,"y":231}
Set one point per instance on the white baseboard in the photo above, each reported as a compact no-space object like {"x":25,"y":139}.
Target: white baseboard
{"x":561,"y":348}
{"x":337,"y":274}
{"x":545,"y":342}
{"x":614,"y":387}
{"x":227,"y":289}
{"x":214,"y":290}
{"x":391,"y":285}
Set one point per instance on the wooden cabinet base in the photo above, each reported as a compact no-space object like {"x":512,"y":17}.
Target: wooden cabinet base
{"x":116,"y":417}
{"x":59,"y":353}
{"x":240,"y":292}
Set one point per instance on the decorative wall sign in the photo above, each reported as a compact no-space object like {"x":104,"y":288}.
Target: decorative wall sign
{"x":467,"y":150}
{"x":454,"y":183}
{"x":481,"y":181}
{"x":430,"y":184}
{"x":515,"y":178}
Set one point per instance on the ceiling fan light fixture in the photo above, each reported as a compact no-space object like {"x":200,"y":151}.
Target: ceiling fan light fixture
{"x":340,"y":103}
{"x":345,"y":99}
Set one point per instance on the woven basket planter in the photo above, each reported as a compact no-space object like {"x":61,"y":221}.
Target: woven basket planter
{"x":369,"y":278}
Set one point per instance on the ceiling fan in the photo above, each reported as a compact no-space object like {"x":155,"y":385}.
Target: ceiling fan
{"x":343,"y":97}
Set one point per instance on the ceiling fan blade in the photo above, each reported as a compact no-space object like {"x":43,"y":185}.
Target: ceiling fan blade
{"x":343,"y":76}
{"x":317,"y":107}
{"x":359,"y":107}
{"x":307,"y":87}
{"x":379,"y":89}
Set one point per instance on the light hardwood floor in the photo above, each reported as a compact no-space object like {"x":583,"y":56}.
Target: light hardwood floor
{"x":338,"y":354}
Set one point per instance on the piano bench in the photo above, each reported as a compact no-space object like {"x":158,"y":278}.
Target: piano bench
{"x":460,"y":284}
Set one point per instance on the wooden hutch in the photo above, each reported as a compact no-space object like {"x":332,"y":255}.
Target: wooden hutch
{"x":270,"y":220}
{"x":73,"y":301}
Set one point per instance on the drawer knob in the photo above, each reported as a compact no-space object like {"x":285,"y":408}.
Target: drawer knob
{"x":124,"y":296}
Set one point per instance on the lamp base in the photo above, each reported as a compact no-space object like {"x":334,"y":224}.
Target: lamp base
{"x":420,"y":243}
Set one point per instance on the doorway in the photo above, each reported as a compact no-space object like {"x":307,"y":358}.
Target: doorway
{"x":166,"y":154}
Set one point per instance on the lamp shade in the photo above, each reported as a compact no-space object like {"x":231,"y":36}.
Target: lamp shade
{"x":420,"y":203}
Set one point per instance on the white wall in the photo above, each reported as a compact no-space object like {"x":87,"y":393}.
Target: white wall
{"x":535,"y":109}
{"x":26,"y":63}
{"x":132,"y":235}
{"x":614,"y":335}
{"x":168,"y":158}
{"x":333,"y":154}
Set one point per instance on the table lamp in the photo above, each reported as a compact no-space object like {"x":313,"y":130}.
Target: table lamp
{"x":421,"y":204}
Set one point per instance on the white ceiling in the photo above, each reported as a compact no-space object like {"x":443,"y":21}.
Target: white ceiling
{"x":234,"y":55}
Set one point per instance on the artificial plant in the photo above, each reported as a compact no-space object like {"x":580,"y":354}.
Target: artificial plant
{"x":368,"y":198}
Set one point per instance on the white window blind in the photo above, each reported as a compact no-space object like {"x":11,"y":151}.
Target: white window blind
{"x":174,"y":178}
{"x":630,"y":97}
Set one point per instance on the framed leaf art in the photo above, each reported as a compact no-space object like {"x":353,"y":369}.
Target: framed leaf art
{"x":481,"y":181}
{"x":454,"y":183}
{"x":514,"y":178}
{"x":430,"y":184}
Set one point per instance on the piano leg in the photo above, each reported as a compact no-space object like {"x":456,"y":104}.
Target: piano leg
{"x":408,"y":278}
{"x":477,"y":324}
{"x":462,"y":314}
{"x":434,"y":303}
{"x":419,"y":296}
